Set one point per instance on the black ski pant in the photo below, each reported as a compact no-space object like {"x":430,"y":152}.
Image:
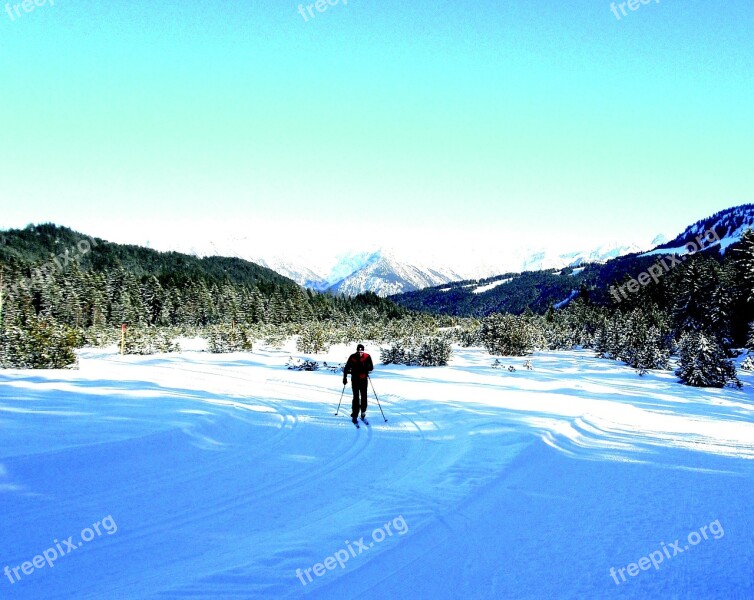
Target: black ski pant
{"x":359,"y":387}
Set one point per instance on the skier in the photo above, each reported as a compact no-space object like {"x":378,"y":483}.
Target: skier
{"x":358,"y":365}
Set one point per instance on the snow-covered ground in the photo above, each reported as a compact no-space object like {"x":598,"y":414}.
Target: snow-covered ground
{"x":486,"y":288}
{"x":228,"y":476}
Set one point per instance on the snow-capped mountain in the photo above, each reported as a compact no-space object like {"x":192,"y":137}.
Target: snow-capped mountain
{"x":297,"y":271}
{"x":385,"y":274}
{"x":541,"y":260}
{"x":388,"y":270}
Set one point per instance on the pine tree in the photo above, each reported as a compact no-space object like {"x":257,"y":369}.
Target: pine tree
{"x":394,"y":355}
{"x":149,"y":340}
{"x":744,"y":263}
{"x":224,"y":338}
{"x":692,"y":301}
{"x":153,"y":299}
{"x":433,"y":352}
{"x":276,"y":310}
{"x":38,"y":343}
{"x":703,"y":362}
{"x":95,"y":299}
{"x":313,"y":339}
{"x":507,"y":335}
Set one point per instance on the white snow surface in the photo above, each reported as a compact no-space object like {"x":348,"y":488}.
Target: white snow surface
{"x":227,"y":473}
{"x":486,"y":288}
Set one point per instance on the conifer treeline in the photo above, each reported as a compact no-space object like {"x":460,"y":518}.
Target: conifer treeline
{"x":701,"y":310}
{"x":95,"y":299}
{"x":61,"y":290}
{"x":46,"y":273}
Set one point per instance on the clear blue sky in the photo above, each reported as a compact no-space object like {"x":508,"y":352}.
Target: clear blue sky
{"x":548,"y":120}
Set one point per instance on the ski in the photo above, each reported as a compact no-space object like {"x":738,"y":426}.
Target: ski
{"x":364,"y":420}
{"x":357,"y":425}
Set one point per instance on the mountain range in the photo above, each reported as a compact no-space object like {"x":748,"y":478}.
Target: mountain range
{"x":540,"y":288}
{"x":388,"y":271}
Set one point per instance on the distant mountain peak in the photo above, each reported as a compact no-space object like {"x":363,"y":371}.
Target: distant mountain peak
{"x":660,"y":239}
{"x":385,"y":274}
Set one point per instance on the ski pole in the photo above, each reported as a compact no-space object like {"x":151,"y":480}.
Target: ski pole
{"x":378,"y":400}
{"x":341,"y":399}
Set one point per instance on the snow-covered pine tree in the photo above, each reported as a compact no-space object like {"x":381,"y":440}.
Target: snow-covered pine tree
{"x":508,"y":335}
{"x":225,"y":338}
{"x":152,"y":297}
{"x":96,"y":303}
{"x":313,"y":339}
{"x":150,"y":340}
{"x":703,"y":362}
{"x":719,"y":316}
{"x":433,"y":352}
{"x":394,"y":355}
{"x":38,"y":343}
{"x":423,"y":352}
{"x":601,"y":340}
{"x":650,"y":351}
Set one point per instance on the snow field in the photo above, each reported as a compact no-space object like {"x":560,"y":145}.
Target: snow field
{"x":228,"y":475}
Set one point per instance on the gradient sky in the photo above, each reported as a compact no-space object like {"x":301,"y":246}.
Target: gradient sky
{"x":548,"y":121}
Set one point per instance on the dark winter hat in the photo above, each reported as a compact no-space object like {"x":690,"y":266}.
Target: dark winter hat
{"x":359,"y":347}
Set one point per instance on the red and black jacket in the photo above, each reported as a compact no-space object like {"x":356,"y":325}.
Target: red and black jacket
{"x":358,"y":366}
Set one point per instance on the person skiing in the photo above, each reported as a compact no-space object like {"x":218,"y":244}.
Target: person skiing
{"x":358,"y":365}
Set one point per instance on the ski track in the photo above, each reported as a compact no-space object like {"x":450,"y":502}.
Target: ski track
{"x":225,"y":475}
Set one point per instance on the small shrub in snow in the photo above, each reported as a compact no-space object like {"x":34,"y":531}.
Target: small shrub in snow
{"x":100,"y":337}
{"x":641,"y":338}
{"x":39,"y":343}
{"x":149,"y":340}
{"x":469,"y":337}
{"x":313,"y":339}
{"x":296,"y":364}
{"x":433,"y":352}
{"x":274,"y":336}
{"x":394,"y":355}
{"x":228,"y":338}
{"x":509,"y":335}
{"x":748,"y":364}
{"x":427,"y":352}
